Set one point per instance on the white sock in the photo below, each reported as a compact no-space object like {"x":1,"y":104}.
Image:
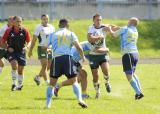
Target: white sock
{"x":14,"y":76}
{"x":1,"y":69}
{"x":20,"y":80}
{"x":106,"y":79}
{"x":97,"y":87}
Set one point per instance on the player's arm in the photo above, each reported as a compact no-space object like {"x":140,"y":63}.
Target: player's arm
{"x":32,"y":44}
{"x":79,"y":49}
{"x":4,"y":40}
{"x":114,"y":31}
{"x":115,"y":27}
{"x":93,"y":39}
{"x":102,"y":50}
{"x":28,"y":40}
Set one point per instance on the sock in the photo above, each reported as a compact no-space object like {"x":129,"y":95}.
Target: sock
{"x":38,"y":77}
{"x":106,"y":79}
{"x":20,"y":80}
{"x":58,"y":85}
{"x":49,"y":95}
{"x":84,"y":92}
{"x":77,"y":91}
{"x":1,"y":69}
{"x":137,"y":80}
{"x":135,"y":86}
{"x":97,"y":87}
{"x":14,"y":76}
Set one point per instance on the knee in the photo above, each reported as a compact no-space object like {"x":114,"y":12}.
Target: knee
{"x":20,"y":72}
{"x":72,"y":80}
{"x":44,"y":66}
{"x":84,"y":74}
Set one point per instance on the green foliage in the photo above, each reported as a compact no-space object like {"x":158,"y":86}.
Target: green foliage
{"x":149,"y":35}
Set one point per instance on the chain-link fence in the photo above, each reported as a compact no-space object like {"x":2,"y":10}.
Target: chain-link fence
{"x":81,"y":9}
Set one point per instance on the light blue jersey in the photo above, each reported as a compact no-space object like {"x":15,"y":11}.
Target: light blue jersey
{"x":129,"y":36}
{"x":62,"y":41}
{"x":86,"y":49}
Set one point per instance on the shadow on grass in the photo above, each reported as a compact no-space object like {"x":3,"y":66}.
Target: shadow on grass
{"x":55,"y":98}
{"x":21,"y":108}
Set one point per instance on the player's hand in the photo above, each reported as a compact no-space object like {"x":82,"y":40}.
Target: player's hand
{"x":107,"y":50}
{"x":101,"y":37}
{"x":49,"y":50}
{"x":10,"y":50}
{"x":25,"y":49}
{"x":84,"y":59}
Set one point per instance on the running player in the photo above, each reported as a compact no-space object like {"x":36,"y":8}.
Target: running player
{"x":16,"y":38}
{"x":129,"y":36}
{"x":41,"y":33}
{"x":3,"y":51}
{"x":82,"y":74}
{"x":62,"y":41}
{"x":96,"y":37}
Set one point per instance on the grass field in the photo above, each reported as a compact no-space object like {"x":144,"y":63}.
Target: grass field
{"x":148,"y":43}
{"x":31,"y":100}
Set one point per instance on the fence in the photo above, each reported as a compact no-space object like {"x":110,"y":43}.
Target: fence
{"x":81,"y":9}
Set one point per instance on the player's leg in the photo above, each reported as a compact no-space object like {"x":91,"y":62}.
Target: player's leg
{"x":14,"y":74}
{"x":42,"y":56}
{"x":55,"y":73}
{"x":83,"y":80}
{"x":43,"y":71}
{"x":71,"y":74}
{"x":20,"y":77}
{"x":14,"y":66}
{"x":3,"y":54}
{"x":127,"y":61}
{"x":94,"y":65}
{"x":21,"y":58}
{"x":105,"y":70}
{"x":49,"y":61}
{"x":50,"y":91}
{"x":134,"y":64}
{"x":96,"y":83}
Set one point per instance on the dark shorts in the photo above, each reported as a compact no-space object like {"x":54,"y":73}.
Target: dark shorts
{"x":3,"y":53}
{"x":63,"y":65}
{"x":129,"y":62}
{"x":42,"y":53}
{"x":19,"y":56}
{"x":96,"y":60}
{"x":77,"y":65}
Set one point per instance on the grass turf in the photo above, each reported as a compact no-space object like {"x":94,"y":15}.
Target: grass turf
{"x":31,"y":100}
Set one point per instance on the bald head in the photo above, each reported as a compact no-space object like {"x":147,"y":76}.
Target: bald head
{"x":133,"y":21}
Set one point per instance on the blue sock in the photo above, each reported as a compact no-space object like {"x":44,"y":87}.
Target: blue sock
{"x":137,"y":80}
{"x":77,"y":91}
{"x":49,"y":96}
{"x":135,"y":86}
